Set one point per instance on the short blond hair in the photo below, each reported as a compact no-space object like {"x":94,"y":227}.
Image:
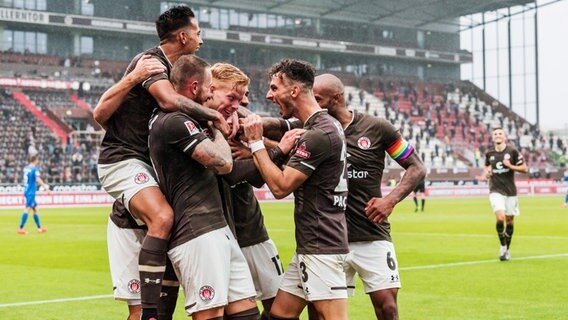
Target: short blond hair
{"x":228,"y":73}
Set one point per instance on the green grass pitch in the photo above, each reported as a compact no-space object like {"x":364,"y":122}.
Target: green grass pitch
{"x":447,"y":257}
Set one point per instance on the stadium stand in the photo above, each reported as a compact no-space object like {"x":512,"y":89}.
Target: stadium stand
{"x":448,"y":121}
{"x":449,"y":124}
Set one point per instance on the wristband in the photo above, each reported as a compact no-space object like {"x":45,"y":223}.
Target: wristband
{"x":257,"y":145}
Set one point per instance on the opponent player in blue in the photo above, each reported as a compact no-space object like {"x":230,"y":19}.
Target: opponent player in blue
{"x":565,"y":179}
{"x":31,"y":180}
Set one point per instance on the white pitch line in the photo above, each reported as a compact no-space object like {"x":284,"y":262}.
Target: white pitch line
{"x":465,"y":263}
{"x":475,"y":235}
{"x":432,"y":266}
{"x":19,"y":304}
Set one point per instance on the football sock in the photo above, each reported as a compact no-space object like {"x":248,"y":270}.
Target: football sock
{"x":169,"y":293}
{"x":509,"y":234}
{"x":415,"y":201}
{"x":36,"y":219}
{"x":250,"y":314}
{"x":500,"y":228}
{"x":149,"y":314}
{"x":151,"y":265}
{"x":23,"y":219}
{"x":423,"y":203}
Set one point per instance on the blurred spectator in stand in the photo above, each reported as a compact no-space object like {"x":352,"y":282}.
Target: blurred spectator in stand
{"x":477,"y":156}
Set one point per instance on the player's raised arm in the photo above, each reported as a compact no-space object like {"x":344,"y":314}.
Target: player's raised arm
{"x":113,"y":97}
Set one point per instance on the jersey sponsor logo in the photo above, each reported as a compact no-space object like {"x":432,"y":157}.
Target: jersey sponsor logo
{"x":499,"y":168}
{"x":364,"y":143}
{"x":134,"y":286}
{"x":141,"y":178}
{"x":191,"y":128}
{"x":354,"y":174}
{"x":302,"y":152}
{"x":206,"y":293}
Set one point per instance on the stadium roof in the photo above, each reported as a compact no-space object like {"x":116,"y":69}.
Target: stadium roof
{"x":407,"y":13}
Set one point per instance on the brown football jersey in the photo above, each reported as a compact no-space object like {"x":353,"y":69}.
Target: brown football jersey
{"x":319,"y":211}
{"x":190,"y":188}
{"x":126,"y":135}
{"x":503,"y":179}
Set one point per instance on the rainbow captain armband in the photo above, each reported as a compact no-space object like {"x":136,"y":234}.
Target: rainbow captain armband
{"x":400,"y":149}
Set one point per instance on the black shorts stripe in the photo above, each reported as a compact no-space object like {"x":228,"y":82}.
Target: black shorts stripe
{"x":339,"y":288}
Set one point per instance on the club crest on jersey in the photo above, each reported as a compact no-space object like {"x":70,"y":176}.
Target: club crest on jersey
{"x":364,"y":143}
{"x":302,"y":152}
{"x":206,"y":293}
{"x":141,"y":178}
{"x":507,"y":156}
{"x":191,"y":127}
{"x":134,"y":286}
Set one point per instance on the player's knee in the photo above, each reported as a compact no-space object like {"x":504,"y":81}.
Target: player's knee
{"x":388,"y":310}
{"x":250,"y":314}
{"x":162,"y":219}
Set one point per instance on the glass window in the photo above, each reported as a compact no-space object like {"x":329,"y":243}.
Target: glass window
{"x":29,"y":42}
{"x":19,"y":4}
{"x":41,"y":43}
{"x":6,"y":42}
{"x":86,"y":45}
{"x":18,"y":42}
{"x":87,"y":8}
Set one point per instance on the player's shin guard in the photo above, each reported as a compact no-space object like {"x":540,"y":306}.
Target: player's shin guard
{"x":151,"y":264}
{"x":509,"y":234}
{"x":24,"y":219}
{"x":500,"y":226}
{"x":250,"y":314}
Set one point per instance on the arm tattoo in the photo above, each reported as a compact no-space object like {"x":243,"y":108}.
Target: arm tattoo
{"x":415,"y":171}
{"x":195,"y":110}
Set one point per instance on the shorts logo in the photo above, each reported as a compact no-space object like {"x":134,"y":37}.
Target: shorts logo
{"x":191,"y":127}
{"x":141,"y":178}
{"x":302,"y":152}
{"x":134,"y":286}
{"x":364,"y":143}
{"x":206,"y":293}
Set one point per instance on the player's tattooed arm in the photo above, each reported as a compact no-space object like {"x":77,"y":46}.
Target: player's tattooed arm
{"x":415,"y":171}
{"x":379,"y":209}
{"x":169,"y":100}
{"x":215,"y":155}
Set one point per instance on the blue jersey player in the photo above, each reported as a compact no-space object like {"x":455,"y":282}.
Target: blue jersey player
{"x":565,"y":179}
{"x":31,"y":180}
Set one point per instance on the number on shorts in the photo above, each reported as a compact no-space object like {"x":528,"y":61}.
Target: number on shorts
{"x":304,"y":273}
{"x":278,"y":264}
{"x":390,"y":261}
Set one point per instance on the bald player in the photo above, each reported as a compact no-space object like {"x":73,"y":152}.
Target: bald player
{"x":369,"y":139}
